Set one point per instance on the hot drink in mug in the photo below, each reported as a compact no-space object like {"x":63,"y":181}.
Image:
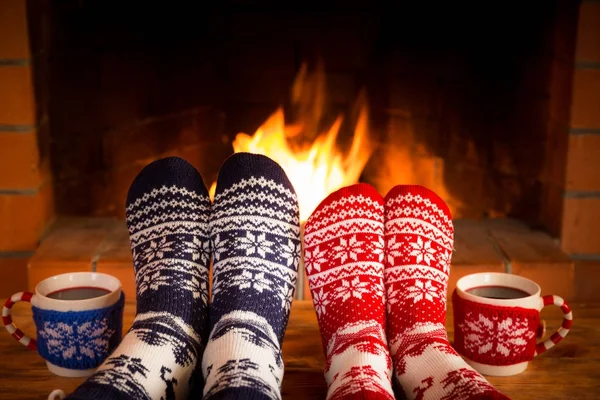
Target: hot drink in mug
{"x":78,"y":318}
{"x":496,"y":317}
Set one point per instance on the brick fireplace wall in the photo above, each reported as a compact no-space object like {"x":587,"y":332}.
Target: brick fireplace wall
{"x":26,"y":195}
{"x":581,"y":201}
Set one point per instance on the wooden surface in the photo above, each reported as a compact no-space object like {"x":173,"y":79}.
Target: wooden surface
{"x":571,"y":370}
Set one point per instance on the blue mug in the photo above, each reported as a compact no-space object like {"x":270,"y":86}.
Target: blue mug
{"x":78,"y":318}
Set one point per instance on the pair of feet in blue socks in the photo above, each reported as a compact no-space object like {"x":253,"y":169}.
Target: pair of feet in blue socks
{"x":180,"y":341}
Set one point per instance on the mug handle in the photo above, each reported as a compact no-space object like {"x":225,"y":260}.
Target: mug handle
{"x":10,"y":326}
{"x":563,"y":330}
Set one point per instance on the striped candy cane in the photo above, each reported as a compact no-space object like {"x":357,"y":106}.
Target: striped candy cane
{"x":10,"y":326}
{"x":563,"y":330}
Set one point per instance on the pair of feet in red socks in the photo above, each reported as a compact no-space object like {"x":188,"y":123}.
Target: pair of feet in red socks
{"x":370,"y":261}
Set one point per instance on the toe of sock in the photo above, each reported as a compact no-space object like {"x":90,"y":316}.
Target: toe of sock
{"x":354,"y":198}
{"x":358,"y":189}
{"x":241,"y":166}
{"x":401,"y":191}
{"x":170,"y":171}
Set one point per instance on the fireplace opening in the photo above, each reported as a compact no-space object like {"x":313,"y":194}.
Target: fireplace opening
{"x":459,"y":101}
{"x":488,"y":107}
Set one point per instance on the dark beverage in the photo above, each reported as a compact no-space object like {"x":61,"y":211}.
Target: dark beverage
{"x":498,"y":292}
{"x":78,"y":293}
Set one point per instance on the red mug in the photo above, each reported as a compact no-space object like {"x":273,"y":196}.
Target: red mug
{"x":496,"y":318}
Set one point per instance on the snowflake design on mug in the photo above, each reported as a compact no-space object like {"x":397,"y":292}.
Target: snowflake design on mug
{"x":88,"y":340}
{"x":510,"y":335}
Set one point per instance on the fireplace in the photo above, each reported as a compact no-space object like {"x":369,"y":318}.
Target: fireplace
{"x":496,"y":111}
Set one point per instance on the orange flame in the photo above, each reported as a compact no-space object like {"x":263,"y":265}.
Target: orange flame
{"x":315,"y":168}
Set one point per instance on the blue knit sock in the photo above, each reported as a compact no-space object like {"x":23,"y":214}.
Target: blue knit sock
{"x":256,"y":247}
{"x":167,"y":214}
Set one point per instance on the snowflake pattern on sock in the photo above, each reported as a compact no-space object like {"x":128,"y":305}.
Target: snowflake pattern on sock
{"x":419,"y":244}
{"x":167,"y":214}
{"x":125,"y":373}
{"x":344,"y":251}
{"x":256,"y":249}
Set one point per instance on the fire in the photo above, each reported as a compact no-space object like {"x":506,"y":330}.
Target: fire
{"x":315,"y":167}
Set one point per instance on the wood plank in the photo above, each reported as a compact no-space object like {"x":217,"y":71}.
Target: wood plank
{"x":569,"y":370}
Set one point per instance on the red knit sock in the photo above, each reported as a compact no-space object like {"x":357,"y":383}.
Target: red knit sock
{"x":344,"y":247}
{"x":419,"y":238}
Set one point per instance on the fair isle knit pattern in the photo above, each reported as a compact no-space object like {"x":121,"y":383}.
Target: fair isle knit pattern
{"x":167,"y":214}
{"x":419,"y":239}
{"x":256,"y":249}
{"x":344,"y":250}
